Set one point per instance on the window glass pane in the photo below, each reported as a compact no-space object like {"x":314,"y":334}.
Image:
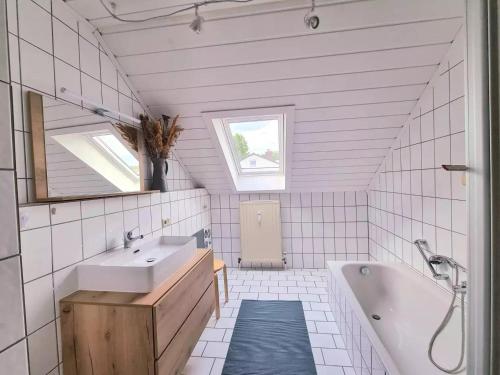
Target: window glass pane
{"x":119,"y":151}
{"x":257,"y":145}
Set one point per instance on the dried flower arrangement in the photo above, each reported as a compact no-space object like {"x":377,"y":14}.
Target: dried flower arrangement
{"x":159,"y":137}
{"x":129,"y":134}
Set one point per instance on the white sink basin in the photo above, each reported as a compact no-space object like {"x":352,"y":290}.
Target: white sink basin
{"x":139,"y":269}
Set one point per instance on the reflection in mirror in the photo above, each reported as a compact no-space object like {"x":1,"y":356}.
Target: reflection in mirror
{"x":85,"y":153}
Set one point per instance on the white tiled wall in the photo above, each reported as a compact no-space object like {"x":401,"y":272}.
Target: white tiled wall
{"x":56,"y":237}
{"x":51,"y":48}
{"x":412,"y":197}
{"x":12,"y":324}
{"x":316,"y":227}
{"x":48,"y":48}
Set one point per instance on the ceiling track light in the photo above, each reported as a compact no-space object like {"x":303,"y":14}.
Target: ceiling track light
{"x":195,"y":25}
{"x":311,"y":20}
{"x":197,"y":22}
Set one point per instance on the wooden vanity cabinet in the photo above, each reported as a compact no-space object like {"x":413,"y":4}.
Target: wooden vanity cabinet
{"x":105,"y":333}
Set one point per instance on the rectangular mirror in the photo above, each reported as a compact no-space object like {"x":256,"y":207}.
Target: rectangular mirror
{"x":80,"y":153}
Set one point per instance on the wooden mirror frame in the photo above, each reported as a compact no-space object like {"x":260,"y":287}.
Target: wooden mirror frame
{"x":35,"y":105}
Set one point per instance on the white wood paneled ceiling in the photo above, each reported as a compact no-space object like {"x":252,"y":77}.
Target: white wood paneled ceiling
{"x":353,"y":81}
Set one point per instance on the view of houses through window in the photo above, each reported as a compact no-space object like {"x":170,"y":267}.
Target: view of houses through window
{"x":257,"y":144}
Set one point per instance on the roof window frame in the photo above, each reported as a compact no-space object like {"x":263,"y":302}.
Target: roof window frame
{"x":252,"y":182}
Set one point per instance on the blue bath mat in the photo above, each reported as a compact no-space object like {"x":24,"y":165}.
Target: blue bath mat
{"x":270,"y":338}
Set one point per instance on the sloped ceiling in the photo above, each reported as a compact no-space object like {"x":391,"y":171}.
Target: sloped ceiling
{"x":353,"y":81}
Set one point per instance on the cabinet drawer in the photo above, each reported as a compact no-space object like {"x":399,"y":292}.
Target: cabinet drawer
{"x":171,"y":310}
{"x":101,"y":340}
{"x":177,"y":353}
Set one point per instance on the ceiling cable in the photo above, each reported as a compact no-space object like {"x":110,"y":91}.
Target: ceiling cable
{"x":194,"y":6}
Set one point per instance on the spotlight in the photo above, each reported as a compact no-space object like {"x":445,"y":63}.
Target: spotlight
{"x":197,"y":22}
{"x":310,"y":19}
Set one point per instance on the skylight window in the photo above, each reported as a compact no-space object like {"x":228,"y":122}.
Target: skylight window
{"x":256,"y":146}
{"x":103,"y":151}
{"x":119,"y":152}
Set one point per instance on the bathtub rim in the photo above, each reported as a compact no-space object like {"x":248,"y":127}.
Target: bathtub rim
{"x":336,"y":268}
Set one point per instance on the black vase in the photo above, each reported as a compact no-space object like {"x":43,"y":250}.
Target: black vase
{"x":160,"y":170}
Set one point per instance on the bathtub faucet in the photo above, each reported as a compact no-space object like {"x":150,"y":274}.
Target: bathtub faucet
{"x":435,"y":260}
{"x":457,"y":288}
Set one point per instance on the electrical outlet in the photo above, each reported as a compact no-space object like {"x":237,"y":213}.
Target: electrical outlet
{"x":165,"y":222}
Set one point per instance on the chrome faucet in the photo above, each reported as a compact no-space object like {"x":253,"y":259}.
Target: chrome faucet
{"x":129,"y":238}
{"x":457,"y":288}
{"x":436,"y":260}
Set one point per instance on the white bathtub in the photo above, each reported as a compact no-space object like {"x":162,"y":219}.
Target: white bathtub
{"x":410,"y":305}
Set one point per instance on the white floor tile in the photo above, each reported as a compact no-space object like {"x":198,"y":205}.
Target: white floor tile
{"x":226,"y":312}
{"x":259,"y":289}
{"x":339,"y":341}
{"x":329,"y":315}
{"x":269,"y":283}
{"x":320,"y":306}
{"x":318,"y":356}
{"x":311,"y":326}
{"x":216,"y":349}
{"x":306,"y":305}
{"x":252,"y":282}
{"x":297,"y":289}
{"x":198,"y":366}
{"x":268,"y":296}
{"x":228,"y":335}
{"x":278,"y":289}
{"x":233,"y":283}
{"x":308,"y":286}
{"x":198,"y":348}
{"x":309,"y":297}
{"x":233,"y":302}
{"x":336,"y":357}
{"x":313,"y":278}
{"x":322,"y":340}
{"x":316,"y":290}
{"x":315,"y":315}
{"x":249,"y":295}
{"x":327,"y":327}
{"x":212,"y":334}
{"x":240,"y":288}
{"x":348,"y":370}
{"x":218,"y":366}
{"x":289,"y":283}
{"x":329,"y":370}
{"x":288,"y":297}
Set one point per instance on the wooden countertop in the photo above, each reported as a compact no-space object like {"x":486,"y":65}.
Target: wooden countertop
{"x":136,"y":299}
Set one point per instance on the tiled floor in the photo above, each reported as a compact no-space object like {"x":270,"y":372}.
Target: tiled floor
{"x":309,"y":286}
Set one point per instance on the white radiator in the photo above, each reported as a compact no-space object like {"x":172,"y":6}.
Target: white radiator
{"x":260,"y":223}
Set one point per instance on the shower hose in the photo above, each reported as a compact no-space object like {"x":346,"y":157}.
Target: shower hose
{"x":458,"y":368}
